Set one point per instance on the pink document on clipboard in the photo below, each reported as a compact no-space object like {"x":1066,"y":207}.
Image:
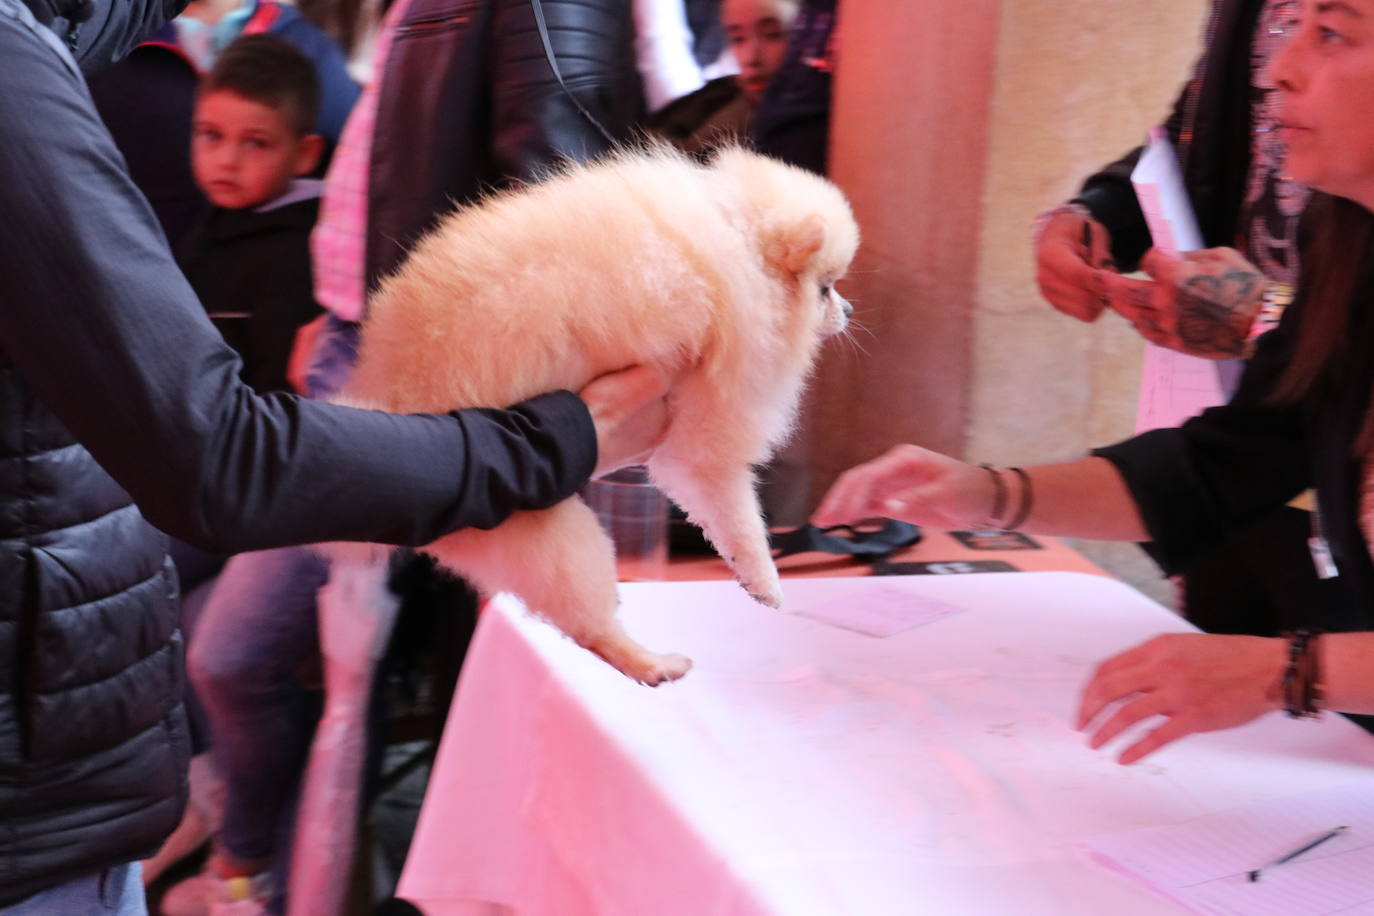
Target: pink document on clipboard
{"x":1173,"y":385}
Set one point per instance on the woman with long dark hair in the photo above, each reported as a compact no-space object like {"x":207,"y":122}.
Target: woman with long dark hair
{"x":1303,"y":418}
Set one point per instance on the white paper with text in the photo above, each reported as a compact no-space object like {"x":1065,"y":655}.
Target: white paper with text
{"x":1173,"y":386}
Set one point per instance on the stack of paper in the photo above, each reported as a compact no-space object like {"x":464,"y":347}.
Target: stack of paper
{"x":1205,"y":863}
{"x":1173,"y":386}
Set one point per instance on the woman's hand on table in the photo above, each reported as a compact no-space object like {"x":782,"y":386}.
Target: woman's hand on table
{"x":912,"y":484}
{"x":1199,"y":682}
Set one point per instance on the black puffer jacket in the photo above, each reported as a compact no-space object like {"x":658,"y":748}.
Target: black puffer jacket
{"x":103,"y":343}
{"x":92,"y":740}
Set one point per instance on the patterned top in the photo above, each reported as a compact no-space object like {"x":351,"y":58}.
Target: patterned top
{"x":1273,"y":202}
{"x":338,"y":246}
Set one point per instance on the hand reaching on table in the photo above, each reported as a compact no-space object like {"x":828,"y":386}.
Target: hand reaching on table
{"x":1200,"y":682}
{"x":912,"y":484}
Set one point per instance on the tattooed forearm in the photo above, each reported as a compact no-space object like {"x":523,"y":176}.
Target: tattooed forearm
{"x":1215,"y":312}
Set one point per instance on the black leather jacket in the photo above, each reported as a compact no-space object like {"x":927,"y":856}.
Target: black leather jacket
{"x":468,"y":103}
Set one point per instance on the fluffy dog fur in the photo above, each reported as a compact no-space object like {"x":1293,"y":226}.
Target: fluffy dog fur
{"x":723,"y":274}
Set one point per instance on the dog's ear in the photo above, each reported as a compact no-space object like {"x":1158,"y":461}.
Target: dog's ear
{"x":797,"y":243}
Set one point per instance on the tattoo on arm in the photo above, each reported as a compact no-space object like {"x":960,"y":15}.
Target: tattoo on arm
{"x":1212,"y":312}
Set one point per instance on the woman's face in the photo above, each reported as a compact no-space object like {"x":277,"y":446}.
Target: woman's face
{"x":757,"y":32}
{"x":1325,"y":77}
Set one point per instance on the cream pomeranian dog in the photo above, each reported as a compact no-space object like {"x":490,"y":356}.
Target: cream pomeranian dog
{"x":723,"y":275}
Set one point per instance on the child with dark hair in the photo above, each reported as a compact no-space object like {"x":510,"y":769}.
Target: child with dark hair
{"x":248,"y":259}
{"x":252,"y":142}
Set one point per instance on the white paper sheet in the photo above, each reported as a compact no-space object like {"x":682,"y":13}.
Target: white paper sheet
{"x":1204,"y":863}
{"x":879,"y":611}
{"x":1173,"y":386}
{"x":802,"y":770}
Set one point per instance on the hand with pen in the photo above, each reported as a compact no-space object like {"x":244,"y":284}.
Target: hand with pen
{"x":1202,"y":303}
{"x":1198,"y":682}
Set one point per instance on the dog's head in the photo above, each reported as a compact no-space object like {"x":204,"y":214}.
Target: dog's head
{"x":804,"y":229}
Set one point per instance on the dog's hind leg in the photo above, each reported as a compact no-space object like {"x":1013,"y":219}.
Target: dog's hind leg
{"x":723,"y":502}
{"x":560,"y":563}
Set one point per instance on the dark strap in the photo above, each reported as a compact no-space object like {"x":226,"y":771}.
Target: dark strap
{"x":869,"y":546}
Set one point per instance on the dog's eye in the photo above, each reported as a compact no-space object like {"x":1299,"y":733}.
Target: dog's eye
{"x":825,"y":290}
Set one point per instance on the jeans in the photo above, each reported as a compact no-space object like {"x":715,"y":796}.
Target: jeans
{"x":196,"y":571}
{"x":257,"y":632}
{"x":114,"y":892}
{"x":333,"y":357}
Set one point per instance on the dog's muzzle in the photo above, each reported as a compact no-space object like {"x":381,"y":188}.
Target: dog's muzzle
{"x":837,"y":315}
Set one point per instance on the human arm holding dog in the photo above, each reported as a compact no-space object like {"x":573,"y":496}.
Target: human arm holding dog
{"x":103,"y":328}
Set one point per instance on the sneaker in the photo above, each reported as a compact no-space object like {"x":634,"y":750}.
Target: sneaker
{"x":188,"y":897}
{"x":207,"y":894}
{"x":240,"y":897}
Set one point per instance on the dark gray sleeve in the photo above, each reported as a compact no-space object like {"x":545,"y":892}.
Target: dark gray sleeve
{"x":103,"y":327}
{"x":1223,"y":469}
{"x":116,"y":26}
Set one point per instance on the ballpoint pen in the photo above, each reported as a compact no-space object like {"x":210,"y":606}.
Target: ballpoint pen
{"x":1255,"y":874}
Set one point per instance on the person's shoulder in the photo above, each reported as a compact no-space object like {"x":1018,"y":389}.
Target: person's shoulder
{"x":27,"y":47}
{"x":45,"y":110}
{"x":683,"y":116}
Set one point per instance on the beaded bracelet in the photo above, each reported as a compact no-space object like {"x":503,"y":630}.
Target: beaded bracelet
{"x":1301,"y":685}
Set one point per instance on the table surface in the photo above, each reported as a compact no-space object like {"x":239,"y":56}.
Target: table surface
{"x":802,"y":768}
{"x":938,"y":552}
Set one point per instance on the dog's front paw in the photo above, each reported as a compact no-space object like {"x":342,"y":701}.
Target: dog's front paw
{"x":664,"y":669}
{"x":767,"y":593}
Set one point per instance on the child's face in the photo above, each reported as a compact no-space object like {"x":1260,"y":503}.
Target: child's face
{"x":245,"y":153}
{"x":757,"y":33}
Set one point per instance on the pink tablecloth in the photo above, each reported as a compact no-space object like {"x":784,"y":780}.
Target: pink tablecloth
{"x":802,"y":768}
